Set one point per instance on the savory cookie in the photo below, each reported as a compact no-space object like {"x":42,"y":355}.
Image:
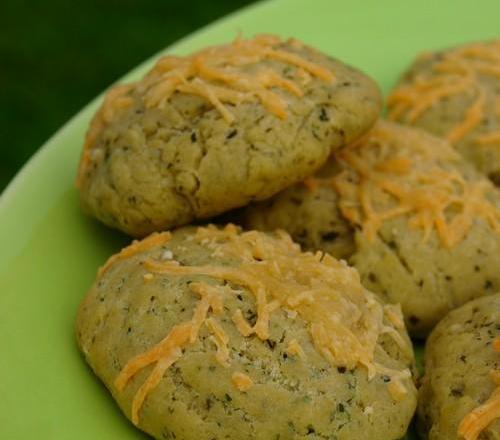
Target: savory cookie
{"x":309,"y":212}
{"x":419,"y":224}
{"x":460,"y":393}
{"x":456,"y":94}
{"x":203,"y":134}
{"x":220,"y":334}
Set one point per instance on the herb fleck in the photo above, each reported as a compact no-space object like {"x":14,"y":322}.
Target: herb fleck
{"x":232,"y":134}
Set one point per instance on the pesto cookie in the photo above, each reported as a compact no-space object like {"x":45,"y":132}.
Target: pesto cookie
{"x":310,"y":213}
{"x":460,"y":393}
{"x":216,"y":333}
{"x":455,"y":93}
{"x":202,"y":134}
{"x":420,"y":225}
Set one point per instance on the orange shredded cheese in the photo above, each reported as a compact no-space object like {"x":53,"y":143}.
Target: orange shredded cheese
{"x":345,"y":320}
{"x":220,"y":339}
{"x":210,"y":299}
{"x":242,"y":381}
{"x":480,"y":418}
{"x":456,"y":72}
{"x":220,"y":74}
{"x":473,"y":116}
{"x":495,"y":375}
{"x":311,"y":184}
{"x":395,"y":386}
{"x":148,"y":277}
{"x":169,"y":350}
{"x":398,"y":165}
{"x":295,"y":349}
{"x":489,"y":138}
{"x":224,"y":76}
{"x":426,"y":187}
{"x":241,"y":323}
{"x":397,"y":390}
{"x":395,"y":315}
{"x":164,"y":354}
{"x":137,"y":247}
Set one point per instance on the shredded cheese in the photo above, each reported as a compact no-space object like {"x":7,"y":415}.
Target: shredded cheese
{"x":220,"y":339}
{"x":295,"y":349}
{"x":311,"y":183}
{"x":241,"y":381}
{"x":164,"y":354}
{"x":169,"y":350}
{"x":455,"y":72}
{"x":480,"y":418}
{"x":137,"y":247}
{"x":224,"y":76}
{"x":425,"y":186}
{"x":344,"y":320}
{"x":148,"y":277}
{"x":397,"y":390}
{"x":395,"y":315}
{"x":241,"y":323}
{"x":489,"y":138}
{"x":221,"y":75}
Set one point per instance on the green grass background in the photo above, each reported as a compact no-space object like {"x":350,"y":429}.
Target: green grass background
{"x":56,"y":55}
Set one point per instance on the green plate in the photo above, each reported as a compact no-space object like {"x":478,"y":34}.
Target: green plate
{"x":50,"y":251}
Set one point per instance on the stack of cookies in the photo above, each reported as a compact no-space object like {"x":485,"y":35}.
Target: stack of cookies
{"x":353,"y":233}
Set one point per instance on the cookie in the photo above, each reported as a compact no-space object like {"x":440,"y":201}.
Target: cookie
{"x":216,"y":333}
{"x":420,"y":225}
{"x":310,"y":213}
{"x":202,"y":134}
{"x":455,"y":94}
{"x":460,"y":393}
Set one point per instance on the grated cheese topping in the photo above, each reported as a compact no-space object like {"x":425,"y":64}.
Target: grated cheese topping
{"x":458,"y":71}
{"x":396,"y":172}
{"x":295,"y":349}
{"x":148,"y":277}
{"x":224,"y":76}
{"x":344,"y":319}
{"x":480,"y":418}
{"x":137,"y":247}
{"x":242,"y":381}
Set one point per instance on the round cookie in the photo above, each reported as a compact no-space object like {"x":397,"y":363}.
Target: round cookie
{"x":202,"y":134}
{"x":455,"y":94}
{"x":459,"y":382}
{"x":420,"y":225}
{"x":215,"y":333}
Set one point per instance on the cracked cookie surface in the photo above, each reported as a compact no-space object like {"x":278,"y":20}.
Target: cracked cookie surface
{"x":201,"y":135}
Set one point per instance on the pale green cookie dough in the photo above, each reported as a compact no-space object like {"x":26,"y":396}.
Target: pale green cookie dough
{"x":160,"y":154}
{"x":459,"y":356}
{"x":309,"y":214}
{"x":130,"y":308}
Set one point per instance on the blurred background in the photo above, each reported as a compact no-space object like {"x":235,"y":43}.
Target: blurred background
{"x":56,"y":55}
